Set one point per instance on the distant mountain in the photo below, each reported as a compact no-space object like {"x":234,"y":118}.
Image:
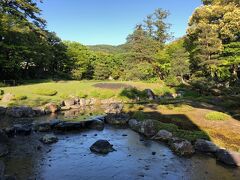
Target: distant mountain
{"x":108,"y":48}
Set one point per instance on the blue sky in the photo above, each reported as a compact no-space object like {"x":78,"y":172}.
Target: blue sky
{"x":93,"y":22}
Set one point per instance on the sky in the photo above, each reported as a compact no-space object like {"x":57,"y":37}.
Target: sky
{"x":92,"y":22}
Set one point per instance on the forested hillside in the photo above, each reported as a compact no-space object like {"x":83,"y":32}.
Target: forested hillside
{"x":208,"y":53}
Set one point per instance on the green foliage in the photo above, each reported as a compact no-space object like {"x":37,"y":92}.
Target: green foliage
{"x":217,"y":116}
{"x":1,"y":92}
{"x":45,"y":92}
{"x":20,"y":97}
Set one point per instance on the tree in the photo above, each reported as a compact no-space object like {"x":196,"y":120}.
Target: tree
{"x":211,"y":28}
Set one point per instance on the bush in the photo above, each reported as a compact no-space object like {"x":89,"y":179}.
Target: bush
{"x":133,"y":93}
{"x":45,"y":92}
{"x":1,"y":92}
{"x":217,"y":116}
{"x":172,"y":81}
{"x":191,"y":135}
{"x":20,"y":97}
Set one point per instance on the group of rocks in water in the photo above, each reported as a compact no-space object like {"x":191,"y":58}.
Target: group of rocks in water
{"x":114,"y":116}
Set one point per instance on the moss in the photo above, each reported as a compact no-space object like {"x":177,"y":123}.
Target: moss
{"x":139,"y":115}
{"x":45,"y":92}
{"x":217,"y":116}
{"x":191,"y":135}
{"x":167,"y":126}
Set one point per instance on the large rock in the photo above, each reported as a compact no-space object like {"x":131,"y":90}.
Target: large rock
{"x":117,"y":119}
{"x":181,"y":147}
{"x":69,"y":126}
{"x":150,"y":94}
{"x":114,"y":108}
{"x":42,"y":126}
{"x":2,"y":110}
{"x":205,"y":146}
{"x":163,"y":135}
{"x":69,"y":102}
{"x":95,"y":124}
{"x":228,"y":157}
{"x":146,"y":127}
{"x":49,"y":139}
{"x":51,"y":108}
{"x":102,"y":147}
{"x":22,"y":111}
{"x":8,"y":97}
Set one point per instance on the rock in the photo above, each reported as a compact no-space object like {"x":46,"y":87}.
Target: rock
{"x":65,"y":108}
{"x":205,"y":146}
{"x":102,"y":147}
{"x":77,"y":106}
{"x":228,"y":157}
{"x":82,"y":102}
{"x":3,"y":150}
{"x":49,"y":139}
{"x":181,"y":147}
{"x":114,"y":108}
{"x":163,"y":135}
{"x":69,"y":126}
{"x":51,"y":108}
{"x":146,"y":127}
{"x":2,"y":110}
{"x":117,"y":119}
{"x":150,"y":94}
{"x":54,"y":122}
{"x":69,"y":102}
{"x":22,"y":111}
{"x":95,"y":124}
{"x":42,"y":126}
{"x":22,"y":130}
{"x":8,"y":97}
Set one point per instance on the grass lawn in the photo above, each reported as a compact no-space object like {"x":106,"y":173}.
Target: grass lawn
{"x":37,"y":94}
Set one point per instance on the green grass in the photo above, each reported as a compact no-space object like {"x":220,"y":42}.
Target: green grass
{"x":217,"y":116}
{"x":66,"y":89}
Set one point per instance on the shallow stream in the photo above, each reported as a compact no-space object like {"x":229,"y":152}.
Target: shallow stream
{"x":135,"y":158}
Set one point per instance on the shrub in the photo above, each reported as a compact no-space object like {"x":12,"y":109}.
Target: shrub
{"x":20,"y":97}
{"x":133,"y":93}
{"x":217,"y":116}
{"x":45,"y":92}
{"x":1,"y":92}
